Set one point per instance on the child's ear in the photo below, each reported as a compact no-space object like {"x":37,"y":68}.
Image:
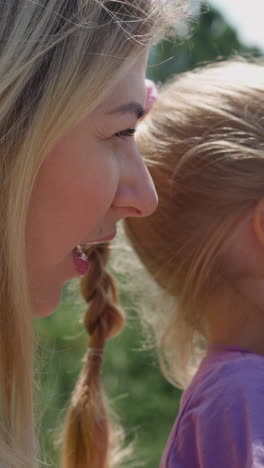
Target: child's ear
{"x":258,"y":221}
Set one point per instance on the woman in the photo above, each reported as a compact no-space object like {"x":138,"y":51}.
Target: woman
{"x":71,"y":91}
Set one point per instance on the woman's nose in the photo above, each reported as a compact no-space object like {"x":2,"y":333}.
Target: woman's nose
{"x":136,"y":195}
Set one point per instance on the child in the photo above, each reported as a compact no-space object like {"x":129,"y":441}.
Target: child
{"x":203,"y":141}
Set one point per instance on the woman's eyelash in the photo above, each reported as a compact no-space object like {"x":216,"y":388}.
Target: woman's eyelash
{"x":129,"y":132}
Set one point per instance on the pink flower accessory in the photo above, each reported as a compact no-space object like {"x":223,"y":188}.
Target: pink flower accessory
{"x":151,"y":96}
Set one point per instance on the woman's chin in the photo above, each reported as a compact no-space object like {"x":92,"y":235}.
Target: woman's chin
{"x":47,"y":305}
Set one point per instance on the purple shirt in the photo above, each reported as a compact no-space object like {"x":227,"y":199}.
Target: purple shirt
{"x":221,"y":418}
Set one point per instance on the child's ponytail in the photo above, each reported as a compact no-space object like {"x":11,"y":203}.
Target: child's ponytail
{"x":87,"y":430}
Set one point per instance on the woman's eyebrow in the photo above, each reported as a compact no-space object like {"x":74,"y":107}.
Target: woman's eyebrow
{"x":130,"y":107}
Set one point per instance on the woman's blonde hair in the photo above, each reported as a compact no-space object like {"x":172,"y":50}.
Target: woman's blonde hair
{"x":58,"y":60}
{"x":203,"y":142}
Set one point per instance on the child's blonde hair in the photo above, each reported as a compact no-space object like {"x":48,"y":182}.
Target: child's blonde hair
{"x":58,"y":59}
{"x":203,"y":142}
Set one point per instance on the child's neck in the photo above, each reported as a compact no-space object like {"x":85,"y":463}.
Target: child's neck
{"x":238,"y":321}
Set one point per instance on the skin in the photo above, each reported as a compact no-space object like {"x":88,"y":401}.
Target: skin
{"x":236,"y":317}
{"x":91,"y":179}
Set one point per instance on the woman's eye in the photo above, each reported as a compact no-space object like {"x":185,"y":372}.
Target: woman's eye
{"x":129,"y":132}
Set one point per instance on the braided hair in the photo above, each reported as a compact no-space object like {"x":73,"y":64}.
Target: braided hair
{"x":88,"y":428}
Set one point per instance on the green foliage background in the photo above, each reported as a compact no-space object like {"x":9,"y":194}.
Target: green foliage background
{"x":146,"y":403}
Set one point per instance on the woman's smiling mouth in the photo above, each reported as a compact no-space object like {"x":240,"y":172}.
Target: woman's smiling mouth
{"x":106,"y":238}
{"x":81,"y":260}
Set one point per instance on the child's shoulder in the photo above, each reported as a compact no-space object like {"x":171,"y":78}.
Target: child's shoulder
{"x":232,"y":365}
{"x":229,"y":375}
{"x":224,"y":402}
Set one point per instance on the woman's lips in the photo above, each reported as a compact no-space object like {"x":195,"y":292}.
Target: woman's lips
{"x":80,"y":259}
{"x":107,"y":238}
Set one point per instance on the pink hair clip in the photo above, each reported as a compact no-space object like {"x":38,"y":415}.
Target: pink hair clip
{"x":151,"y":96}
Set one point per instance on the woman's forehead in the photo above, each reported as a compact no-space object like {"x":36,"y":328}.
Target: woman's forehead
{"x":130,"y":90}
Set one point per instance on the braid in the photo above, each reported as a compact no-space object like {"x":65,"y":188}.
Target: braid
{"x":87,"y":429}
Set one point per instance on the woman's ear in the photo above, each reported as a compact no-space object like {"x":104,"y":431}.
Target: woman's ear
{"x":258,"y":221}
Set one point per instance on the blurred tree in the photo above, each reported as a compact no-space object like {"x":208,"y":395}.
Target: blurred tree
{"x":210,"y":38}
